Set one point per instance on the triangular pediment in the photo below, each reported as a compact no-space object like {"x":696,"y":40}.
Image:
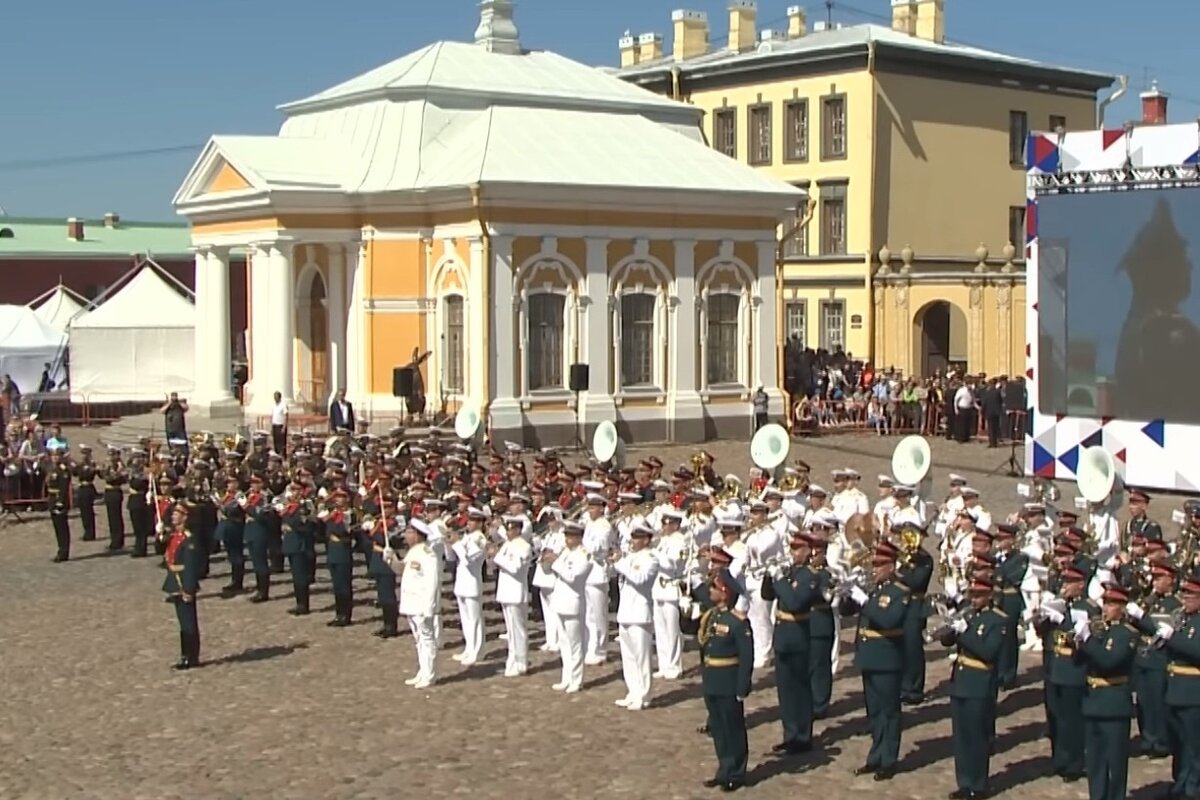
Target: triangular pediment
{"x":216,"y":173}
{"x":226,"y":178}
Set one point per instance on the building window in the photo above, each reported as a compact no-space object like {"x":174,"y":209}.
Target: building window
{"x":833,"y":220}
{"x":833,"y":127}
{"x":795,"y":323}
{"x":544,"y":351}
{"x":637,"y":340}
{"x":1016,"y":227}
{"x":1057,"y":121}
{"x":722,"y":342}
{"x":1018,"y":133}
{"x":796,"y":245}
{"x":452,"y":344}
{"x":833,"y":325}
{"x":758,"y":118}
{"x":725,"y":131}
{"x":795,"y":135}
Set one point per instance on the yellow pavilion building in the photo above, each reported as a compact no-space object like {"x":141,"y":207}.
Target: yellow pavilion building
{"x":512,"y":213}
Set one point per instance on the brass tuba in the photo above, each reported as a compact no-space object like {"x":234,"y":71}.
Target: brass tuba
{"x":910,"y":544}
{"x":731,"y":490}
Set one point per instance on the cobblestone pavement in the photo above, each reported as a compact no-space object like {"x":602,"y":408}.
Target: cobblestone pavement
{"x":288,"y":708}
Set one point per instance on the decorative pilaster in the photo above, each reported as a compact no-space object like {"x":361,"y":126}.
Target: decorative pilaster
{"x":336,"y":302}
{"x":767,"y":339}
{"x":283,"y":299}
{"x":879,"y":292}
{"x":597,"y":345}
{"x":1004,"y":325}
{"x":475,"y":391}
{"x":685,"y":410}
{"x":357,"y":388}
{"x":212,"y":347}
{"x":503,"y":355}
{"x":261,"y":327}
{"x":975,"y":350}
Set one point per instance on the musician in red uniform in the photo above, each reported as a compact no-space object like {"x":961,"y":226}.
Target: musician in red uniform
{"x":182,"y":585}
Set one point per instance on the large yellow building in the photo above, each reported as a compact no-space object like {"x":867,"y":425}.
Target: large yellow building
{"x":913,"y":150}
{"x":511,"y":213}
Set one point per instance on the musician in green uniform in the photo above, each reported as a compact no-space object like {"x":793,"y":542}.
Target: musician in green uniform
{"x":1150,"y":664}
{"x":1139,"y":522}
{"x":339,"y":544}
{"x":914,"y":574}
{"x":1107,"y":647}
{"x":822,"y":627}
{"x":85,"y":492}
{"x":1013,"y":579}
{"x":293,"y":522}
{"x":182,"y":585}
{"x":727,"y":663}
{"x":1181,"y":638}
{"x":58,"y":491}
{"x":795,"y":591}
{"x":879,"y":656}
{"x":1066,"y":676}
{"x":979,"y":635}
{"x":231,"y":532}
{"x":258,"y":510}
{"x":115,"y":476}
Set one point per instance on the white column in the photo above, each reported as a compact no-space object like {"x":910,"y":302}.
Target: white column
{"x":766,"y":372}
{"x":258,"y":388}
{"x":336,"y":304}
{"x":283,"y":299}
{"x":597,"y":345}
{"x":475,"y":392}
{"x":212,"y":365}
{"x":683,"y":396}
{"x":201,"y":334}
{"x":502,"y":358}
{"x":356,"y":384}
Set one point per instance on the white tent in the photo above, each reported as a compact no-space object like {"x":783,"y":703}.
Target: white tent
{"x":137,"y":345}
{"x":26,"y":344}
{"x":58,"y":306}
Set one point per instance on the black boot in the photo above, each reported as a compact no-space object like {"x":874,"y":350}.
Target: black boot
{"x":262,"y":588}
{"x":341,"y":612}
{"x":194,"y":651}
{"x":390,"y":617}
{"x":301,"y":608}
{"x":185,"y":648}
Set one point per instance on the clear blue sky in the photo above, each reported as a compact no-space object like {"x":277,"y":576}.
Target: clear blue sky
{"x":86,"y":78}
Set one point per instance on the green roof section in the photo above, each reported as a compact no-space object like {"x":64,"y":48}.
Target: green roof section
{"x":32,"y":237}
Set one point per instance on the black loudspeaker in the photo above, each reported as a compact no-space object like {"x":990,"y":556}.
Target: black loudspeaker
{"x":402,"y":382}
{"x":579,"y":378}
{"x":1015,"y":396}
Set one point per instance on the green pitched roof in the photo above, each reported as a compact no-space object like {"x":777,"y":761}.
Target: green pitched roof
{"x":25,"y":237}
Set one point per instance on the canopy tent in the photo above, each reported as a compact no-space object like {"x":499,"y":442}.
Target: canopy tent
{"x":58,"y":307}
{"x":26,"y":345}
{"x":137,"y":345}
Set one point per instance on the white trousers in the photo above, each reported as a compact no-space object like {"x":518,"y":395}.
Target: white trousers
{"x":762,"y":626}
{"x":635,"y":660}
{"x":423,"y":634}
{"x":549,"y":618}
{"x":668,"y":642}
{"x":470,"y":615}
{"x":570,"y":650}
{"x":596,"y":620}
{"x":515,"y":615}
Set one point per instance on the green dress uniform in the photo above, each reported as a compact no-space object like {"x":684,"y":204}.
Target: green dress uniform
{"x":385,"y":577}
{"x":1145,"y":527}
{"x":1183,"y":706}
{"x":58,"y":492}
{"x":972,"y":696}
{"x":115,"y":478}
{"x":85,"y":497}
{"x":1066,"y":683}
{"x":915,"y":579}
{"x":879,"y":656}
{"x":821,"y":641}
{"x":727,"y":663}
{"x":293,"y":520}
{"x":1150,"y":678}
{"x":231,"y":532}
{"x":795,"y":592}
{"x":141,"y":511}
{"x":339,"y":559}
{"x":277,"y":483}
{"x":1107,"y":707}
{"x":258,"y":513}
{"x":1009,"y":576}
{"x":182,"y":587}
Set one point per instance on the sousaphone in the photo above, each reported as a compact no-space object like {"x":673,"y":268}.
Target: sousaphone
{"x":607,"y":445}
{"x":1096,"y":475}
{"x":770,"y":447}
{"x":467,"y":424}
{"x":912,"y":461}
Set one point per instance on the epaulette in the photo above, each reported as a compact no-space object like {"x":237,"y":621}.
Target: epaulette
{"x":739,"y":614}
{"x":1129,"y":625}
{"x":999,"y":613}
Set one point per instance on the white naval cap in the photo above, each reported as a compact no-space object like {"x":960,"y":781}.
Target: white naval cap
{"x":825,"y":518}
{"x":421,"y":527}
{"x":660,"y":485}
{"x":969,"y":491}
{"x":819,"y":490}
{"x":956,"y":479}
{"x":851,"y":473}
{"x":771,"y":491}
{"x":731,"y":521}
{"x":474,"y":512}
{"x":642,"y":529}
{"x":675,"y":514}
{"x":592,"y":486}
{"x":629,"y":497}
{"x":887,"y":480}
{"x":594,"y":499}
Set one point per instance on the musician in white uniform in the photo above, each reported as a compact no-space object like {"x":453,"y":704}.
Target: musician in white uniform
{"x":598,"y":542}
{"x":949,"y":509}
{"x":957,"y":552}
{"x":674,"y":551}
{"x":905,"y":512}
{"x":1037,"y":544}
{"x":512,"y":560}
{"x":886,"y":503}
{"x":571,"y":567}
{"x":1105,"y":531}
{"x":637,"y":571}
{"x":420,"y":595}
{"x":470,"y":551}
{"x":817,"y":499}
{"x":795,"y":502}
{"x":970,"y":498}
{"x":627,"y":518}
{"x":702,"y":523}
{"x":661,"y":504}
{"x":549,"y":540}
{"x":848,"y":499}
{"x":762,"y":544}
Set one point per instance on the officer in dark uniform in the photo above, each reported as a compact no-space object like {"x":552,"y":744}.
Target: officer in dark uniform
{"x":293,"y":519}
{"x":1011,"y":572}
{"x":1107,"y":647}
{"x":58,"y":492}
{"x":914,"y":576}
{"x":1139,"y":522}
{"x":1066,"y":678}
{"x":182,"y":586}
{"x":115,"y":477}
{"x":85,"y":492}
{"x":384,"y":535}
{"x":795,"y":590}
{"x":141,"y":514}
{"x":258,"y":511}
{"x":1181,"y":637}
{"x":231,"y":530}
{"x":879,"y":656}
{"x":979,"y":637}
{"x":1150,"y":664}
{"x":727,"y":663}
{"x":821,"y":624}
{"x":339,"y":543}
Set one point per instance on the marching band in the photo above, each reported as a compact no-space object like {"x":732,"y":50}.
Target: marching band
{"x":764,"y":575}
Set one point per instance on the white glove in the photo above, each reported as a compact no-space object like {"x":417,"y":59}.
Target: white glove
{"x":1054,"y":615}
{"x":741,"y":699}
{"x":1134,"y":610}
{"x":776,"y":573}
{"x":959,"y":626}
{"x":1164,"y":631}
{"x":1082,"y":629}
{"x":366,"y":526}
{"x":859,"y":596}
{"x":323,"y":493}
{"x":362,"y":491}
{"x":685,"y":605}
{"x":160,"y":528}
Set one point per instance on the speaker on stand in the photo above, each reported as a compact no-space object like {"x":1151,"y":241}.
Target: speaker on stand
{"x":1016,"y":405}
{"x":577,"y":381}
{"x":403,"y":385}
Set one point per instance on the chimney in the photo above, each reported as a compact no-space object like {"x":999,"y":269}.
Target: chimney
{"x":497,"y":31}
{"x":650,"y":47}
{"x":75,"y":229}
{"x":629,"y":50}
{"x":904,"y":16}
{"x":691,"y":34}
{"x":931,"y":20}
{"x":1154,"y":105}
{"x":742,"y":16}
{"x":797,"y":22}
{"x":112,"y":219}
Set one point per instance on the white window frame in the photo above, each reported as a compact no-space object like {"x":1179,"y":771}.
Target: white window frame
{"x":453,"y":392}
{"x":788,"y":329}
{"x":824,"y":340}
{"x":741,"y":382}
{"x":657,"y":340}
{"x":570,"y":310}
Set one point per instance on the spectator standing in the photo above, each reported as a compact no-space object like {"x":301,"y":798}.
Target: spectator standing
{"x":46,"y":384}
{"x":992,"y":405}
{"x":341,"y":413}
{"x":964,"y":412}
{"x":174,"y":413}
{"x":761,"y":404}
{"x":11,"y":394}
{"x":279,"y":424}
{"x":57,"y":441}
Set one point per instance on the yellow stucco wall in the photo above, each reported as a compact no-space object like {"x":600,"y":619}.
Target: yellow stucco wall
{"x":392,"y":337}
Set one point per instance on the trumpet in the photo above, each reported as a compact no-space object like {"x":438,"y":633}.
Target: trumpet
{"x":949,"y":620}
{"x":777,"y":561}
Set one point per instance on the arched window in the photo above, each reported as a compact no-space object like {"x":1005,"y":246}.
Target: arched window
{"x":722,"y":340}
{"x":637,"y":340}
{"x":545,"y":336}
{"x":454,"y":334}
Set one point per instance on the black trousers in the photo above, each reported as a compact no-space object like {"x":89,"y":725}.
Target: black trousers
{"x":993,"y":426}
{"x":279,"y":439}
{"x":189,"y":629}
{"x":793,"y":684}
{"x":116,"y":519}
{"x":760,"y":420}
{"x":727,"y":726}
{"x":971,"y":735}
{"x":62,"y":530}
{"x":85,"y":501}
